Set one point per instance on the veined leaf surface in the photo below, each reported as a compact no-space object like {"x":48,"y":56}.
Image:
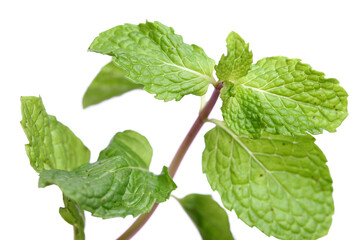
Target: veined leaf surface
{"x":286,"y":97}
{"x":52,"y":145}
{"x":279,"y":184}
{"x":238,"y":60}
{"x":118,"y":184}
{"x":154,"y":56}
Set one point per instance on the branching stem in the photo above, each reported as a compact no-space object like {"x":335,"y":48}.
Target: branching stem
{"x":174,"y":165}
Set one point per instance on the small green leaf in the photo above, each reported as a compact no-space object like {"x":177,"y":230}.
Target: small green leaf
{"x":118,"y":184}
{"x":285,"y":97}
{"x":129,"y":143}
{"x":238,"y":60}
{"x":210,"y":219}
{"x":51,"y":144}
{"x":279,"y":184}
{"x":154,"y":56}
{"x":241,"y":110}
{"x":110,"y":82}
{"x":75,"y":216}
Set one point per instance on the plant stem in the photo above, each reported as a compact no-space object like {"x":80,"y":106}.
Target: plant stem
{"x":138,"y":224}
{"x":199,"y":122}
{"x":78,"y":233}
{"x":174,"y":165}
{"x":202,"y":103}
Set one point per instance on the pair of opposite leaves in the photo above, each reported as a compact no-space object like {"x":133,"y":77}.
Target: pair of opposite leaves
{"x":277,"y":95}
{"x":279,"y":184}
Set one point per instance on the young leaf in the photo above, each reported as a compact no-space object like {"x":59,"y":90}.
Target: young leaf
{"x":238,"y":60}
{"x":154,"y":56}
{"x":74,"y":215}
{"x":110,"y":82}
{"x":241,"y":110}
{"x":289,"y":97}
{"x":279,"y":184}
{"x":118,"y":184}
{"x":51,"y":144}
{"x":129,"y":143}
{"x":210,"y":219}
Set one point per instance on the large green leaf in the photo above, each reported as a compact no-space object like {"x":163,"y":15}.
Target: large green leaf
{"x":285,"y":97}
{"x":277,"y":183}
{"x":210,"y":219}
{"x":75,"y":216}
{"x":110,"y":82}
{"x":238,"y":60}
{"x":154,"y":56}
{"x":51,"y":144}
{"x":118,"y":184}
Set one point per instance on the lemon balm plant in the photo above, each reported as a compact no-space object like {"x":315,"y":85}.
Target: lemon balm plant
{"x":261,"y":158}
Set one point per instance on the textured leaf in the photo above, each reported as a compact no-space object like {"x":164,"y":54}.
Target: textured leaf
{"x":242,"y":110}
{"x":154,"y":56}
{"x":118,"y":184}
{"x":210,"y":219}
{"x":51,"y":144}
{"x":54,"y":146}
{"x":238,"y":60}
{"x":285,"y":97}
{"x":110,"y":82}
{"x":277,"y":183}
{"x":75,"y":216}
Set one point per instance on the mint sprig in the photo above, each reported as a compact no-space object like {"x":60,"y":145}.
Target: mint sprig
{"x":261,"y":159}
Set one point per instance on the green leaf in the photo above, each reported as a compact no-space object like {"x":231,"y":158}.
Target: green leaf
{"x":110,"y":82}
{"x":238,"y":60}
{"x":241,"y":110}
{"x":154,"y":56}
{"x":54,"y":146}
{"x":118,"y":184}
{"x":75,"y":216}
{"x":285,"y":97}
{"x":210,"y":219}
{"x":129,"y":143}
{"x":51,"y":144}
{"x":279,"y":184}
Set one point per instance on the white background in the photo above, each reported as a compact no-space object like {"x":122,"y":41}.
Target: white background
{"x":44,"y":52}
